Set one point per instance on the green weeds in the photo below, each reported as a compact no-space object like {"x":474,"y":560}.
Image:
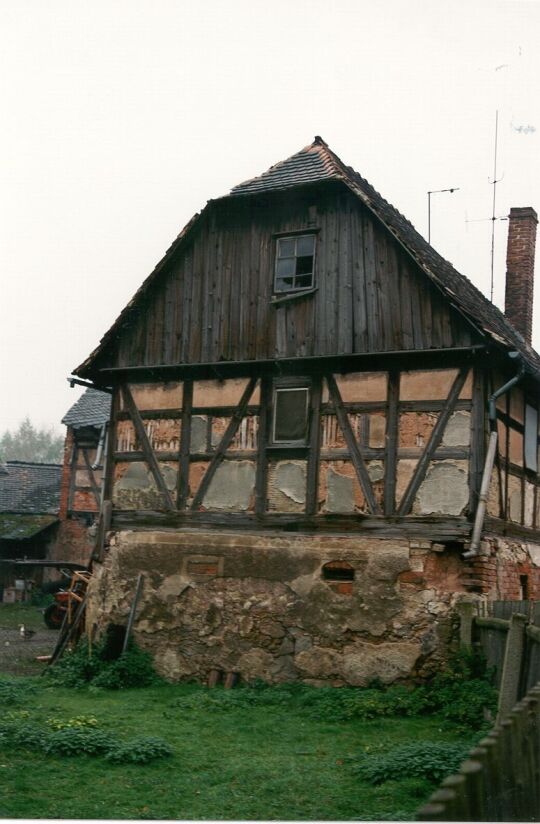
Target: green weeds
{"x":91,"y":665}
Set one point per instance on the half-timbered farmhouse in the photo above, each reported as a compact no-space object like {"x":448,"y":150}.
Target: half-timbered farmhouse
{"x":322,"y":435}
{"x":82,"y":471}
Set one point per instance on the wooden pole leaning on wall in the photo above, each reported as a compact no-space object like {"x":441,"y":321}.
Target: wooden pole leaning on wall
{"x":511,"y":672}
{"x":466,"y":611}
{"x":131,"y":619}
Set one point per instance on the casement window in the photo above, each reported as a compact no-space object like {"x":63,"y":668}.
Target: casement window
{"x":290,"y":422}
{"x":295,"y":263}
{"x":530,"y":441}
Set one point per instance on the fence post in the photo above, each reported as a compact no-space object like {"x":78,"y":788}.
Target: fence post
{"x":513,"y":656}
{"x":466,"y":615}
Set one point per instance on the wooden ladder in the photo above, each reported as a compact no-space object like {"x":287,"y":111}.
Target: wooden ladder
{"x":72,"y":624}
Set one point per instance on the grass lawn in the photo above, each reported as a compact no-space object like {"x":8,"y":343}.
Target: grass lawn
{"x":230,"y":762}
{"x":13,"y":615}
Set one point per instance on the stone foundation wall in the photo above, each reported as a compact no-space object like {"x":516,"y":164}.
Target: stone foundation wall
{"x":274,"y":607}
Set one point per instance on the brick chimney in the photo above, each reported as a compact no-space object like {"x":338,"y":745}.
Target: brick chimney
{"x":518,"y":303}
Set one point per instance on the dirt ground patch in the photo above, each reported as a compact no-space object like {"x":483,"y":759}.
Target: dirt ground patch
{"x":18,"y":656}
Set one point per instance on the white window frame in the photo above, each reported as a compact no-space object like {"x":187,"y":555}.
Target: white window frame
{"x":277,"y":389}
{"x":294,"y":288}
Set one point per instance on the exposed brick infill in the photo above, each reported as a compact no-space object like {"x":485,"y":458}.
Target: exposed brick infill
{"x":518,"y":304}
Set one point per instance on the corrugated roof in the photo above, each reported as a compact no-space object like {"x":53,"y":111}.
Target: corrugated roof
{"x":20,"y":527}
{"x":92,"y":409}
{"x":30,"y":488}
{"x":317,"y":163}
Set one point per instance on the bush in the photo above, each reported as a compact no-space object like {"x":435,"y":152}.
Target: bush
{"x":16,"y":692}
{"x":463,"y":692}
{"x":78,"y":721}
{"x":22,"y":734}
{"x":88,"y":665}
{"x":427,"y":760}
{"x":139,"y":751}
{"x":78,"y":741}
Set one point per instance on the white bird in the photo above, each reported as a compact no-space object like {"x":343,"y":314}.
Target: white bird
{"x":26,"y":634}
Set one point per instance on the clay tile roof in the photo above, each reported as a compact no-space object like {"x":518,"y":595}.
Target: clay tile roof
{"x":92,"y":409}
{"x":30,"y":487}
{"x":310,"y":165}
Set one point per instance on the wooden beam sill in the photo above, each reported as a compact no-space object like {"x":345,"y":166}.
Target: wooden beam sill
{"x":288,"y":298}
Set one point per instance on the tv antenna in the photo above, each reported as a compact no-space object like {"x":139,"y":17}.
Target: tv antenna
{"x":435,"y":192}
{"x":494,"y":184}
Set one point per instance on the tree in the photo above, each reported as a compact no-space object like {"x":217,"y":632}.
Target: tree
{"x":26,"y":443}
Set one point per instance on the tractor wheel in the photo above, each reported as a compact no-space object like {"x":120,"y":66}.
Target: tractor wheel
{"x":53,"y":616}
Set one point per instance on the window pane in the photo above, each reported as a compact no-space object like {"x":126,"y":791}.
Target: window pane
{"x":290,"y":415}
{"x":303,"y":282}
{"x":531,"y":438}
{"x":305,"y":245}
{"x":285,"y":267}
{"x":286,"y":247}
{"x":304,"y":265}
{"x":284,"y":284}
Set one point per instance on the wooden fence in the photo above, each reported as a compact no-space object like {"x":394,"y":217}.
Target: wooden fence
{"x":490,"y":629}
{"x":500,"y":780}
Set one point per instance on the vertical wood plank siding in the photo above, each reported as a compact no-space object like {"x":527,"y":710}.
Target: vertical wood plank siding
{"x":214,"y":301}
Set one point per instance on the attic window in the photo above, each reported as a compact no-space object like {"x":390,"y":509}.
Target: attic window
{"x":295,"y":263}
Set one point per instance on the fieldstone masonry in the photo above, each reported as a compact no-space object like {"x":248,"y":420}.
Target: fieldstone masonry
{"x":259,"y":605}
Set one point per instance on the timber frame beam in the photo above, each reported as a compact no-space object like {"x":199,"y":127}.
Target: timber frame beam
{"x":219,"y":454}
{"x":434,"y":441}
{"x":352,"y":444}
{"x":146,"y":447}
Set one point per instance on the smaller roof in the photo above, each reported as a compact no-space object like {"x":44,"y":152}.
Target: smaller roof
{"x":30,"y":487}
{"x":307,"y":166}
{"x":92,"y":409}
{"x":21,"y":527}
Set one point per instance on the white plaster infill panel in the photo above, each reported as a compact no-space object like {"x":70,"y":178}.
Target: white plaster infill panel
{"x":534,"y":552}
{"x":458,"y":430}
{"x":445,"y":489}
{"x":232,"y":487}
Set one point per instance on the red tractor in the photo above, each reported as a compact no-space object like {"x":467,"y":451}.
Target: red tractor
{"x":54,"y":614}
{"x":67,"y":593}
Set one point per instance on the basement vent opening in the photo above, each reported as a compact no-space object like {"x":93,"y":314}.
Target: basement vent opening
{"x":339,"y":575}
{"x":338,"y":571}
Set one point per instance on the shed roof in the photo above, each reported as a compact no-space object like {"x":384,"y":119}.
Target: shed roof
{"x":92,"y":409}
{"x":15,"y":527}
{"x":30,"y":487}
{"x":316,"y":163}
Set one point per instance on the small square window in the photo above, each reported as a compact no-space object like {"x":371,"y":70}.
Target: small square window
{"x":291,"y":406}
{"x":295,"y":263}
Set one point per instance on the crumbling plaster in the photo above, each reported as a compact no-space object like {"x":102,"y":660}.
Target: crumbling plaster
{"x":267,"y":613}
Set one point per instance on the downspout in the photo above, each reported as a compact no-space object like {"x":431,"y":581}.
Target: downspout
{"x":490,"y":458}
{"x":97,"y":462}
{"x":105,"y":457}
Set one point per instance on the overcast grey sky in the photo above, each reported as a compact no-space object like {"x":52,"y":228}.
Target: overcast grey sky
{"x":121,"y":118}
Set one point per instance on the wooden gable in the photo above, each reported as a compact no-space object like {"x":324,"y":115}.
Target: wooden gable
{"x":214,"y":300}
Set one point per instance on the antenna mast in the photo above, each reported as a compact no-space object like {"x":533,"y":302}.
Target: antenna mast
{"x":493,"y":218}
